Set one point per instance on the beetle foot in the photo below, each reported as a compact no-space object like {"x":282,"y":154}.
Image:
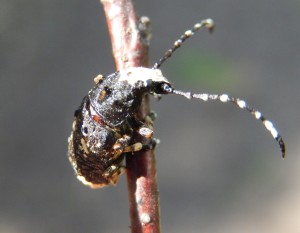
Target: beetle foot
{"x":152,"y":115}
{"x":113,"y":172}
{"x":146,"y":128}
{"x":152,"y":144}
{"x":146,"y":132}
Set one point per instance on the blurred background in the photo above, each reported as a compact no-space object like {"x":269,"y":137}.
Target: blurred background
{"x":219,"y":170}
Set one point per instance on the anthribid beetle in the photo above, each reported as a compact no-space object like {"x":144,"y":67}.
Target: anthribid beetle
{"x":106,"y":126}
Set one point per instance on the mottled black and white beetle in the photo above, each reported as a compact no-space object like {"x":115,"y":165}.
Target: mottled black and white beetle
{"x":106,"y":126}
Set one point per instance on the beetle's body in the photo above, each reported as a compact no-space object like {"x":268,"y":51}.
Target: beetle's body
{"x":106,"y":126}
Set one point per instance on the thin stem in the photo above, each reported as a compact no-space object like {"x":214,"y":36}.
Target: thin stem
{"x":130,"y":49}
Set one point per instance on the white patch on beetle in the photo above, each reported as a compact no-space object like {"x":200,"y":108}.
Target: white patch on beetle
{"x":268,"y":124}
{"x":134,"y":74}
{"x":92,"y":185}
{"x":84,"y":146}
{"x":98,"y":78}
{"x":177,"y":43}
{"x":188,"y":33}
{"x":241,"y":103}
{"x":270,"y":127}
{"x":274,"y":133}
{"x":204,"y":97}
{"x":224,"y":98}
{"x":257,"y":114}
{"x":74,"y":125}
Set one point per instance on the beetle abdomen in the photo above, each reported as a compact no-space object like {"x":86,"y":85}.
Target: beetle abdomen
{"x":90,"y":146}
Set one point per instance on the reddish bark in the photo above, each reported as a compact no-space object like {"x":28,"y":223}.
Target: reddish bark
{"x":130,"y":49}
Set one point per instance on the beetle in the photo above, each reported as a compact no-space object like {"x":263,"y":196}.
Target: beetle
{"x":106,"y":127}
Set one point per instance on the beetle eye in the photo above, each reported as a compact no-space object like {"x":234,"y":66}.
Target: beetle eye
{"x":166,"y":88}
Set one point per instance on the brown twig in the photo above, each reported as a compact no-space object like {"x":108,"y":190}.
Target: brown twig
{"x":130,"y":49}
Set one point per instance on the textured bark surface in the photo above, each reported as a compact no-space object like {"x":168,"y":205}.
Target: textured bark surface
{"x":129,"y":38}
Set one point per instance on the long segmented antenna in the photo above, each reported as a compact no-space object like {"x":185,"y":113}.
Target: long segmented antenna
{"x":238,"y":102}
{"x":208,"y":23}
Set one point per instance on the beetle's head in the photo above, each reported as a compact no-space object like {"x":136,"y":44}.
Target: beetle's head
{"x":146,"y":80}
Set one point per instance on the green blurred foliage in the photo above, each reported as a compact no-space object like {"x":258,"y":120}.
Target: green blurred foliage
{"x":200,"y":68}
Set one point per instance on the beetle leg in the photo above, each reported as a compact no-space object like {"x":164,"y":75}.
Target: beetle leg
{"x":113,"y":172}
{"x":116,"y":169}
{"x":146,"y":127}
{"x":152,"y":115}
{"x":149,"y":119}
{"x":134,"y":147}
{"x":156,"y":96}
{"x":122,"y":146}
{"x":151,"y":145}
{"x":146,"y":132}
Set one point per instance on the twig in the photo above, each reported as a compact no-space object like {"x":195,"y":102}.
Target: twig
{"x":130,"y":49}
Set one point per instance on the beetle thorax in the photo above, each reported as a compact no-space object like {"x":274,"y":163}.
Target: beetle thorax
{"x":133,"y":75}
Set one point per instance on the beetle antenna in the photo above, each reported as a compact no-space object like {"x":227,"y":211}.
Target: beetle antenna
{"x":208,"y":23}
{"x":241,"y":104}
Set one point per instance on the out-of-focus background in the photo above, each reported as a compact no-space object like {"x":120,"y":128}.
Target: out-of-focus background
{"x":219,"y":170}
